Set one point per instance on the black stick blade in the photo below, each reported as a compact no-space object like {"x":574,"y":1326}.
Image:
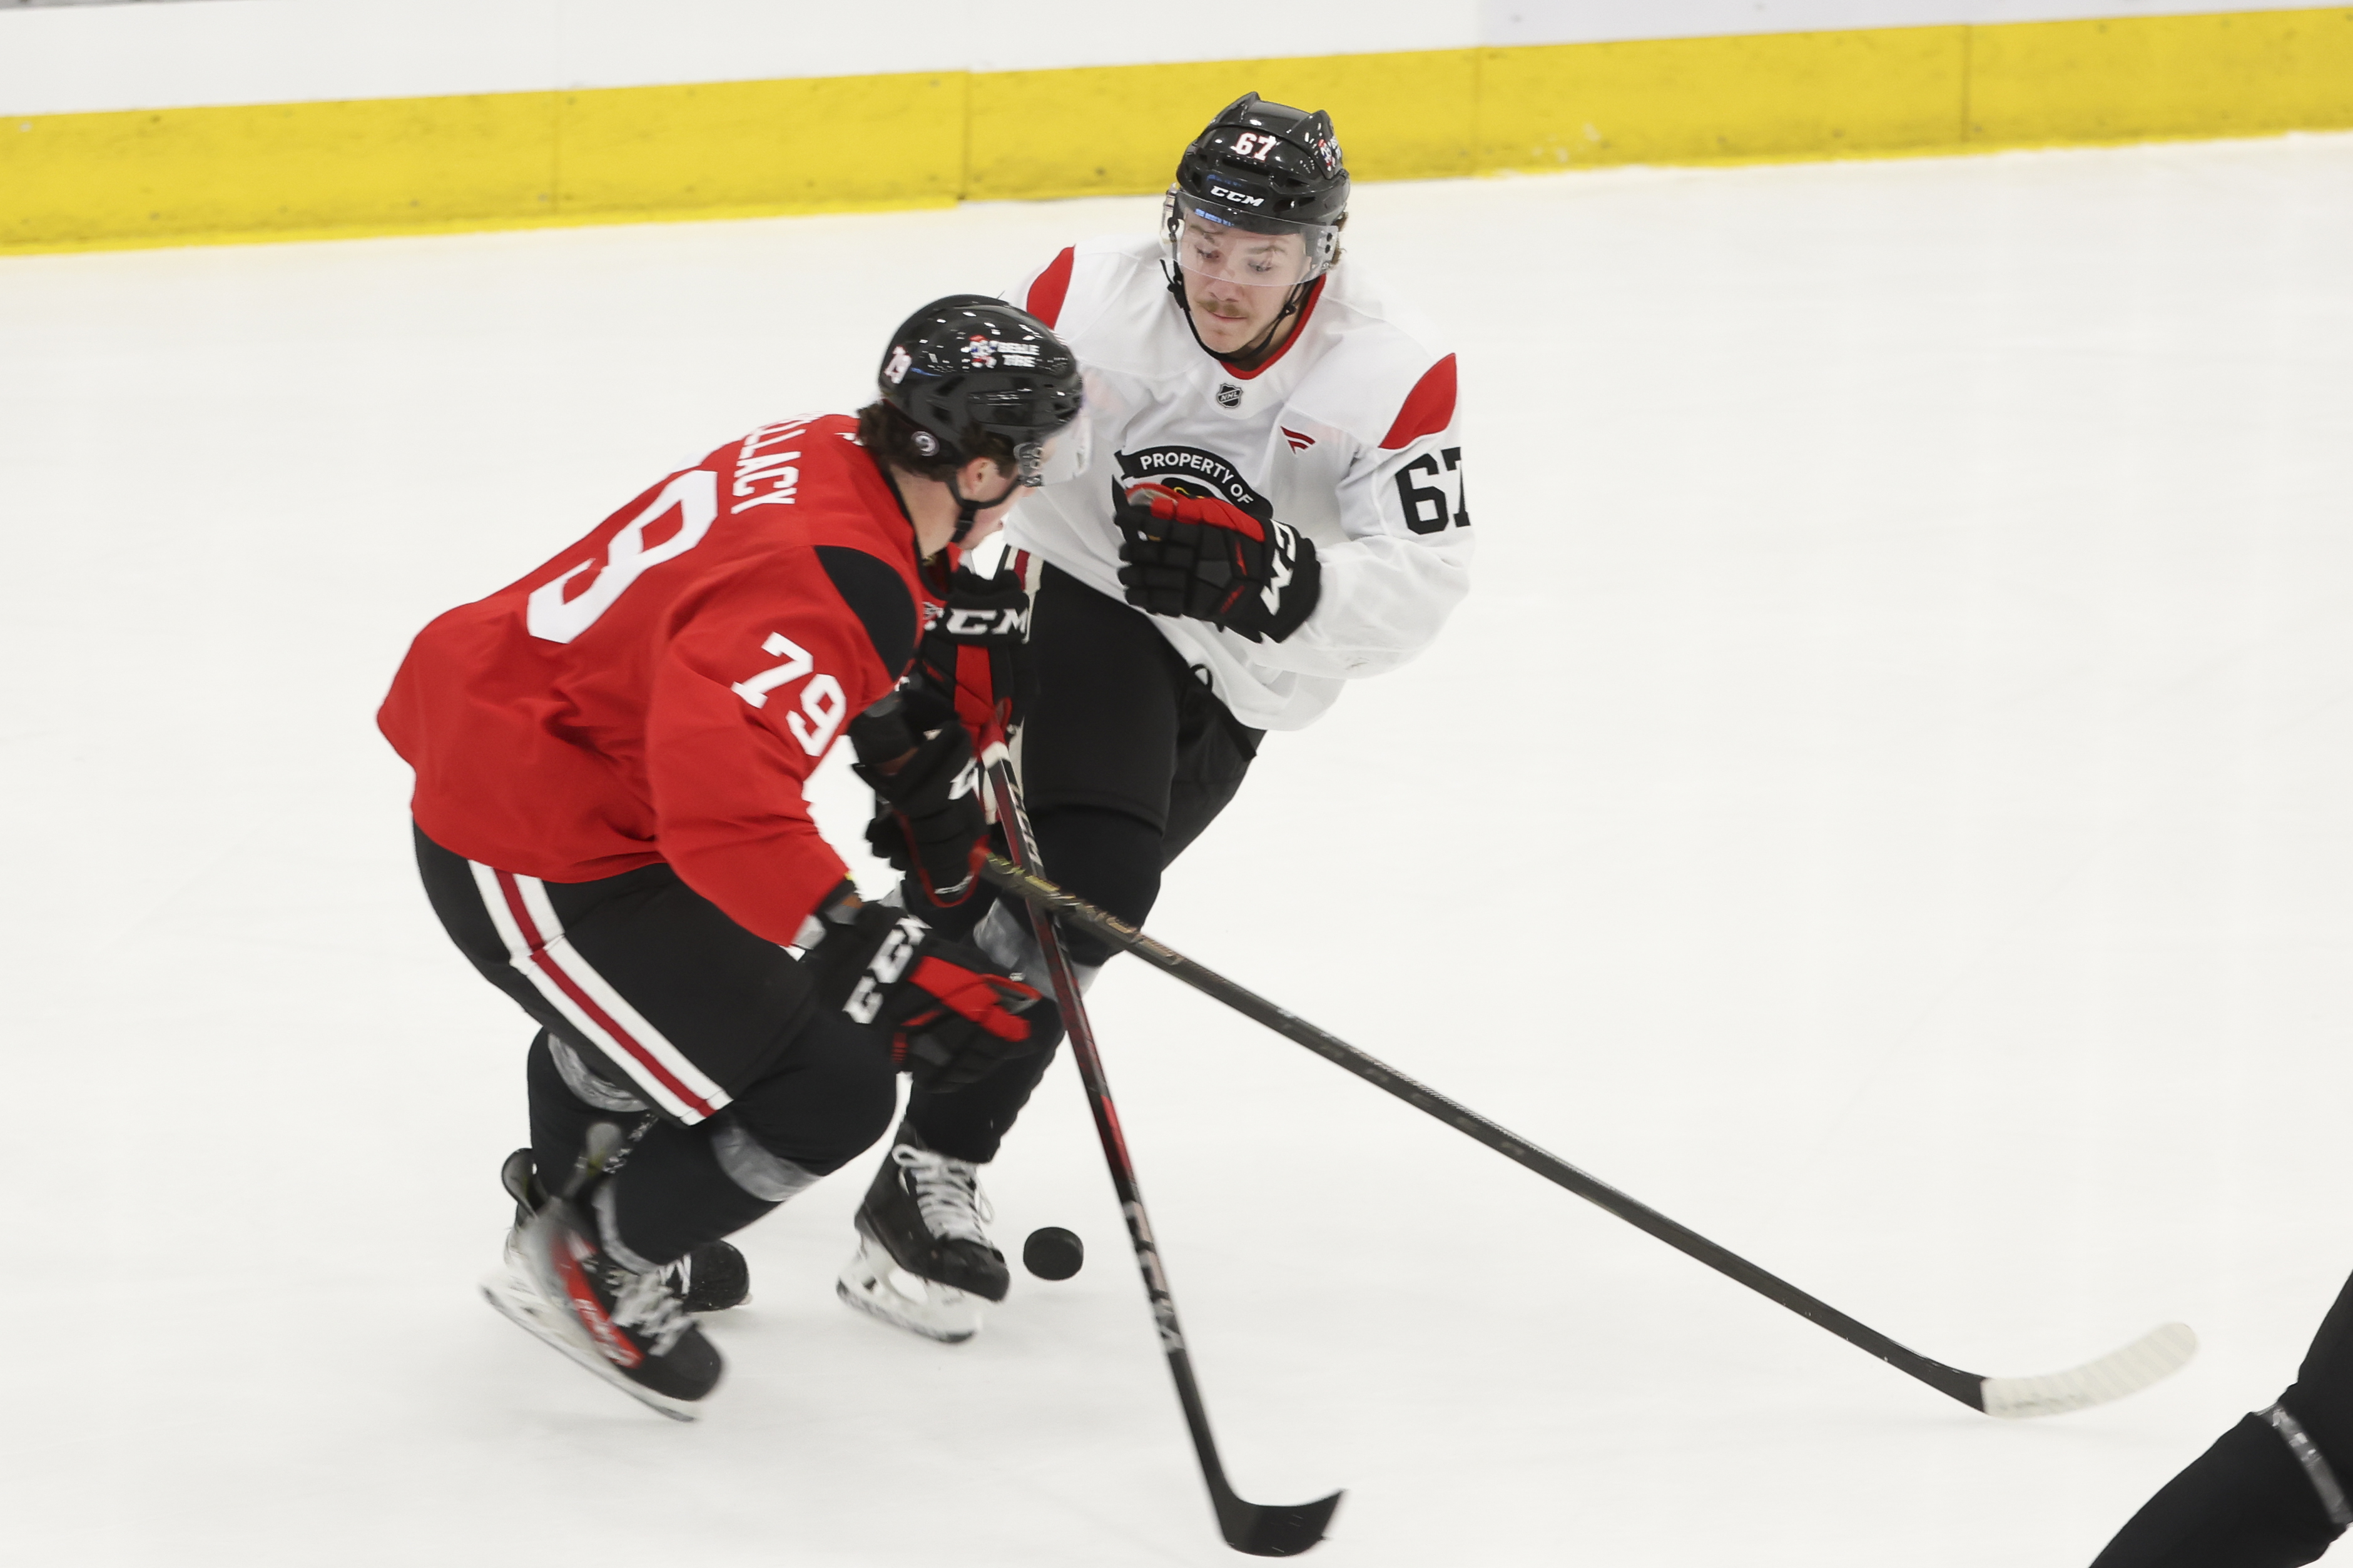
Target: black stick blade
{"x":1283,"y":1530}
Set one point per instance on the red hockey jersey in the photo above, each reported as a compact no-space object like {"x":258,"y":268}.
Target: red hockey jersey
{"x":660,"y":691}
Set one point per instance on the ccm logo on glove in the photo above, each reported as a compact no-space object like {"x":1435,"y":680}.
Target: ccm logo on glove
{"x":943,"y":1012}
{"x":972,"y":664}
{"x":883,"y":970}
{"x":967,"y":621}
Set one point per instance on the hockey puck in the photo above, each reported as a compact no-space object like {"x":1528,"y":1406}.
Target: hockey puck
{"x":1052,"y":1253}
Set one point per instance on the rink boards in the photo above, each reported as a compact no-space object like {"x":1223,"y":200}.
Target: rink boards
{"x":849,"y":143}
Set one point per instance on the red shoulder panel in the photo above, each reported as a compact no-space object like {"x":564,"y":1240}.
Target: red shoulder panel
{"x":1428,"y":407}
{"x":1045,"y":301}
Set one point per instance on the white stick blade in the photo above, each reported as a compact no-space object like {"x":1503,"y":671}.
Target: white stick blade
{"x":2158,"y":1353}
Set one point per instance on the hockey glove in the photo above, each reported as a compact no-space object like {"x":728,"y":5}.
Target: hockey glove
{"x":974,"y":656}
{"x":929,"y":819}
{"x":950,"y":1019}
{"x":1205,"y":558}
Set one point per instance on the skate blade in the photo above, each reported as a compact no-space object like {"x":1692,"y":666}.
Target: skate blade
{"x":525,"y":1310}
{"x":872,"y":1283}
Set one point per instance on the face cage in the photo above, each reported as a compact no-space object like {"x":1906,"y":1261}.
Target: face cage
{"x":1054,"y":458}
{"x":1060,"y":455}
{"x":1321,"y":240}
{"x":1013,"y":417}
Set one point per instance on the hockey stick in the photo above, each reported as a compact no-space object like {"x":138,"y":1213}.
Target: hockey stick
{"x":1258,"y":1529}
{"x":2154,"y":1355}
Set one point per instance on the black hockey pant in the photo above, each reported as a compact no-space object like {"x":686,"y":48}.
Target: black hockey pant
{"x":699,"y":1039}
{"x":2271,"y":1492}
{"x":1127,"y":756}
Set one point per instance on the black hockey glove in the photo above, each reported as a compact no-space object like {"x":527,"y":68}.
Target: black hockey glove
{"x":950,"y":1019}
{"x":929,"y":818}
{"x":1208,"y":559}
{"x":974,"y":658}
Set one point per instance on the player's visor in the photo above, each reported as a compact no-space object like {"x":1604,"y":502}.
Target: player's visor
{"x":1062,"y":455}
{"x":1207,"y":246}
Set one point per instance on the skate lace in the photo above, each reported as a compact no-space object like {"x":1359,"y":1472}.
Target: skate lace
{"x":650,"y":1303}
{"x":947,"y":1194}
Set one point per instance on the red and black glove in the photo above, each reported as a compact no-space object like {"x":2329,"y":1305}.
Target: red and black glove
{"x":930,"y":819}
{"x":975,"y":656}
{"x":1205,"y":558}
{"x":950,"y":1018}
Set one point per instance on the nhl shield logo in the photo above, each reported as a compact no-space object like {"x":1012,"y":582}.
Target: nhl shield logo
{"x":1228,"y":395}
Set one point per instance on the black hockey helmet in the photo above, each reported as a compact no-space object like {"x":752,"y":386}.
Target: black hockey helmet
{"x":969,"y":365}
{"x":1264,"y":168}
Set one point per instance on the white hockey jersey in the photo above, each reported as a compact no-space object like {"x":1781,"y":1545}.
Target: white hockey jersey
{"x":1348,"y":433}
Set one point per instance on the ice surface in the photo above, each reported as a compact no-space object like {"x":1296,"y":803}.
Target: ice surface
{"x":1888,"y":803}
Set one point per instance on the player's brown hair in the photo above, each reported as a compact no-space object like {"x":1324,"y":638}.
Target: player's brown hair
{"x":898,"y":441}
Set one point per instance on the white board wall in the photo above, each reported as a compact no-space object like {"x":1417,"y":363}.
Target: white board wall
{"x":57,"y":61}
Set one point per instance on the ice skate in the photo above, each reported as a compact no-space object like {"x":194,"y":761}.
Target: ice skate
{"x":923,"y":1263}
{"x":712,"y":1278}
{"x":630,"y":1329}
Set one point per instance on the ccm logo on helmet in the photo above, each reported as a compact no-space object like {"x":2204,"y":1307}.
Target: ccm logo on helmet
{"x":1237,"y":197}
